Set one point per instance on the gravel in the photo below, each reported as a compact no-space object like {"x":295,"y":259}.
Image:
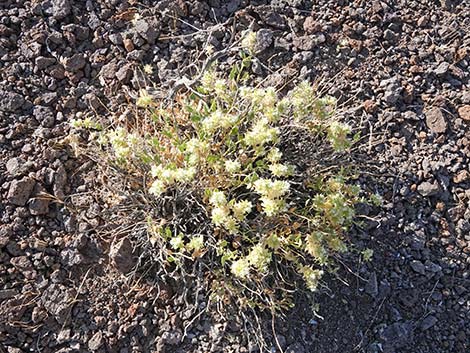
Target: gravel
{"x":400,"y":73}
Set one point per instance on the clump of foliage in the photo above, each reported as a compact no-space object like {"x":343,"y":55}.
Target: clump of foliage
{"x":219,"y":148}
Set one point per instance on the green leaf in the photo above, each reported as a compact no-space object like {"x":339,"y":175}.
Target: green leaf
{"x":196,"y":117}
{"x":225,"y":257}
{"x":245,"y":77}
{"x":356,"y":137}
{"x":167,"y":133}
{"x":246,"y":62}
{"x":168,"y":233}
{"x":193,"y":97}
{"x":154,"y":142}
{"x":213,"y":158}
{"x":233,"y":72}
{"x":213,"y":106}
{"x":261,"y":163}
{"x":146,"y":158}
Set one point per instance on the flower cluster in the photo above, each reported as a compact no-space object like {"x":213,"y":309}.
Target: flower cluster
{"x":264,"y":101}
{"x":145,"y":99}
{"x":258,"y":258}
{"x":220,"y":86}
{"x":169,"y":176}
{"x":272,"y":193}
{"x":122,"y":142}
{"x":219,"y":120}
{"x":196,"y":243}
{"x":261,"y":133}
{"x":314,"y":246}
{"x":249,"y":41}
{"x":177,"y":242}
{"x":196,"y":150}
{"x":338,"y":135}
{"x":86,"y":123}
{"x":280,"y":170}
{"x":240,"y":268}
{"x":274,"y":155}
{"x":228,"y":214}
{"x":212,"y":83}
{"x":232,"y":166}
{"x":241,"y":208}
{"x":259,"y":98}
{"x":208,"y":81}
{"x":310,"y":108}
{"x":337,"y":209}
{"x":302,"y":98}
{"x":148,"y":69}
{"x":311,"y":277}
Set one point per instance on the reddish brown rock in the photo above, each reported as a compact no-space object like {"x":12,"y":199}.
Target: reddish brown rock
{"x":128,"y":44}
{"x":311,"y":26}
{"x":20,"y":190}
{"x":461,"y":177}
{"x":464,"y":112}
{"x":370,"y":106}
{"x":436,"y":121}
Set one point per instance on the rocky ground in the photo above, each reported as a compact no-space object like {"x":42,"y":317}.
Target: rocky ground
{"x":399,"y":68}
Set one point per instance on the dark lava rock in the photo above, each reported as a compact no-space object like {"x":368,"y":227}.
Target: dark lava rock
{"x":7,"y":293}
{"x":418,"y":267}
{"x":96,"y":341}
{"x":60,"y":180}
{"x":44,"y":115}
{"x":436,"y":121}
{"x":21,"y":262}
{"x":20,"y":190}
{"x":61,"y":9}
{"x":124,"y":74}
{"x":147,"y":30}
{"x":464,"y":112}
{"x":264,"y":39}
{"x":308,"y":43}
{"x":75,"y":62}
{"x":396,"y":336}
{"x":39,"y":205}
{"x":428,"y":322}
{"x":295,"y":348}
{"x":57,"y":300}
{"x":10,"y":101}
{"x":392,"y":96}
{"x":311,"y":25}
{"x":389,"y":35}
{"x":71,"y":257}
{"x":115,"y":38}
{"x":393,"y":90}
{"x":371,"y":287}
{"x":38,"y":315}
{"x":42,"y":62}
{"x":428,"y":189}
{"x":121,"y":255}
{"x":442,"y":69}
{"x":17,"y":166}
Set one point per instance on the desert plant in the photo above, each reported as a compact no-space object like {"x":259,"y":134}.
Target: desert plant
{"x":222,"y":189}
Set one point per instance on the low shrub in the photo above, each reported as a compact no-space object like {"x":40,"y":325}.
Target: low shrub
{"x":226,"y":183}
